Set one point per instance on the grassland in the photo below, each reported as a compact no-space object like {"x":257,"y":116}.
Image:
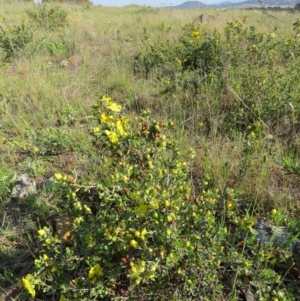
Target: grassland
{"x":233,"y":94}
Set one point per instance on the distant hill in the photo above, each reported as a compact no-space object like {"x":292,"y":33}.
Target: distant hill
{"x":270,"y":2}
{"x":255,"y":3}
{"x":188,"y":4}
{"x":234,"y":4}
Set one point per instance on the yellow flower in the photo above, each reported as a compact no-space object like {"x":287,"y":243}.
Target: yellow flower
{"x":247,"y":223}
{"x":78,"y":220}
{"x":195,"y":34}
{"x":58,"y":176}
{"x":96,"y":270}
{"x":87,"y":209}
{"x":144,"y":232}
{"x":167,"y":203}
{"x":28,"y":285}
{"x":77,"y":205}
{"x":137,"y":270}
{"x":113,"y":137}
{"x":133,"y":243}
{"x":96,"y":129}
{"x":45,"y":257}
{"x":37,"y":261}
{"x":120,"y":128}
{"x":137,"y":280}
{"x":155,"y":204}
{"x":42,"y":232}
{"x":114,"y":107}
{"x":272,"y":35}
{"x":273,"y":211}
{"x":48,"y":241}
{"x":104,"y":118}
{"x":141,"y":210}
{"x":170,"y":217}
{"x":107,"y":100}
{"x":151,"y":273}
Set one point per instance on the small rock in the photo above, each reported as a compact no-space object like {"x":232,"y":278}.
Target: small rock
{"x":278,"y":236}
{"x":73,"y":62}
{"x":91,"y":35}
{"x":203,"y":18}
{"x":25,"y":186}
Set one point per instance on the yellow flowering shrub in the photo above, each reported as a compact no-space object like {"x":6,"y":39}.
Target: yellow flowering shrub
{"x":135,"y":235}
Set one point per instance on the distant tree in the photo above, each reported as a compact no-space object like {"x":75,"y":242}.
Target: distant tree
{"x":297,"y":7}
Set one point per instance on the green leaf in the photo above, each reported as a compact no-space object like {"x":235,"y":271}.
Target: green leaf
{"x":253,"y":231}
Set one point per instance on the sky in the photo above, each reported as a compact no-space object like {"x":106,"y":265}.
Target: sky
{"x":157,"y":3}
